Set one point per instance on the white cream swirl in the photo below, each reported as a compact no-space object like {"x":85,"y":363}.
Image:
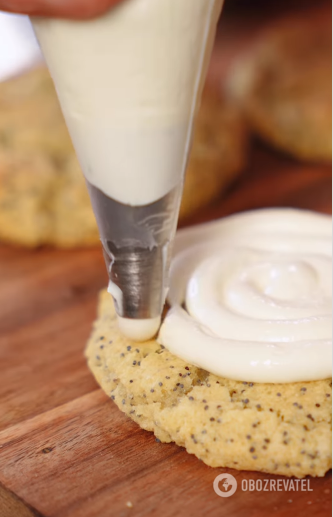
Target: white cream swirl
{"x":257,"y":289}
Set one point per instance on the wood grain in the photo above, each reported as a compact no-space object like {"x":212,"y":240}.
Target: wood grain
{"x":65,"y":449}
{"x":11,"y":505}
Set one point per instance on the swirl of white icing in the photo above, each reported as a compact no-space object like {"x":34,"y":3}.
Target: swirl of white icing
{"x":250,"y":297}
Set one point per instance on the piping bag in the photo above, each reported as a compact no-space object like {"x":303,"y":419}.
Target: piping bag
{"x":100,"y":69}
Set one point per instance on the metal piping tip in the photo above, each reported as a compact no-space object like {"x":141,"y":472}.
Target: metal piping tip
{"x":137,"y":244}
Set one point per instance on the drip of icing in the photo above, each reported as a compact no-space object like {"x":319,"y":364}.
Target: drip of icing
{"x":139,"y":330}
{"x":257,"y":292}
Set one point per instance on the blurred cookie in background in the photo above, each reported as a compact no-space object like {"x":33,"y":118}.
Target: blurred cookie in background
{"x":43,"y":195}
{"x":284,"y":85}
{"x":219,"y":152}
{"x":30,"y":116}
{"x":41,"y":203}
{"x":27,"y":186}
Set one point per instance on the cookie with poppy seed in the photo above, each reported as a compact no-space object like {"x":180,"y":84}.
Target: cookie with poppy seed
{"x":43,"y":196}
{"x":41,"y":204}
{"x":284,"y":85}
{"x":219,"y":152}
{"x":275,"y":428}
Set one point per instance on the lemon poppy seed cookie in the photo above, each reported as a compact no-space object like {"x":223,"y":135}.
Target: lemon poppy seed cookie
{"x":43,"y":196}
{"x":27,"y":187}
{"x":30,"y":117}
{"x":43,"y":204}
{"x":35,"y":148}
{"x":275,"y":428}
{"x":218,"y":155}
{"x":284,"y":85}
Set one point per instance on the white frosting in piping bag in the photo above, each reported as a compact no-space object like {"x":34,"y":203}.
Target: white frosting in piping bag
{"x":257,"y":289}
{"x":129,"y":83}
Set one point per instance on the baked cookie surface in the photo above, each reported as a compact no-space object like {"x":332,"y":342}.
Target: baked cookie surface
{"x":275,"y":428}
{"x":43,"y":196}
{"x":41,"y":204}
{"x":284,"y":85}
{"x":218,"y":155}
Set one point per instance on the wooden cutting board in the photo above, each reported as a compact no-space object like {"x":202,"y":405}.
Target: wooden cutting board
{"x":65,"y":449}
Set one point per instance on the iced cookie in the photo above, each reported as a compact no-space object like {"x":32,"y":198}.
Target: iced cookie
{"x":43,"y":197}
{"x":284,"y":85}
{"x":275,"y":428}
{"x":239,"y":371}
